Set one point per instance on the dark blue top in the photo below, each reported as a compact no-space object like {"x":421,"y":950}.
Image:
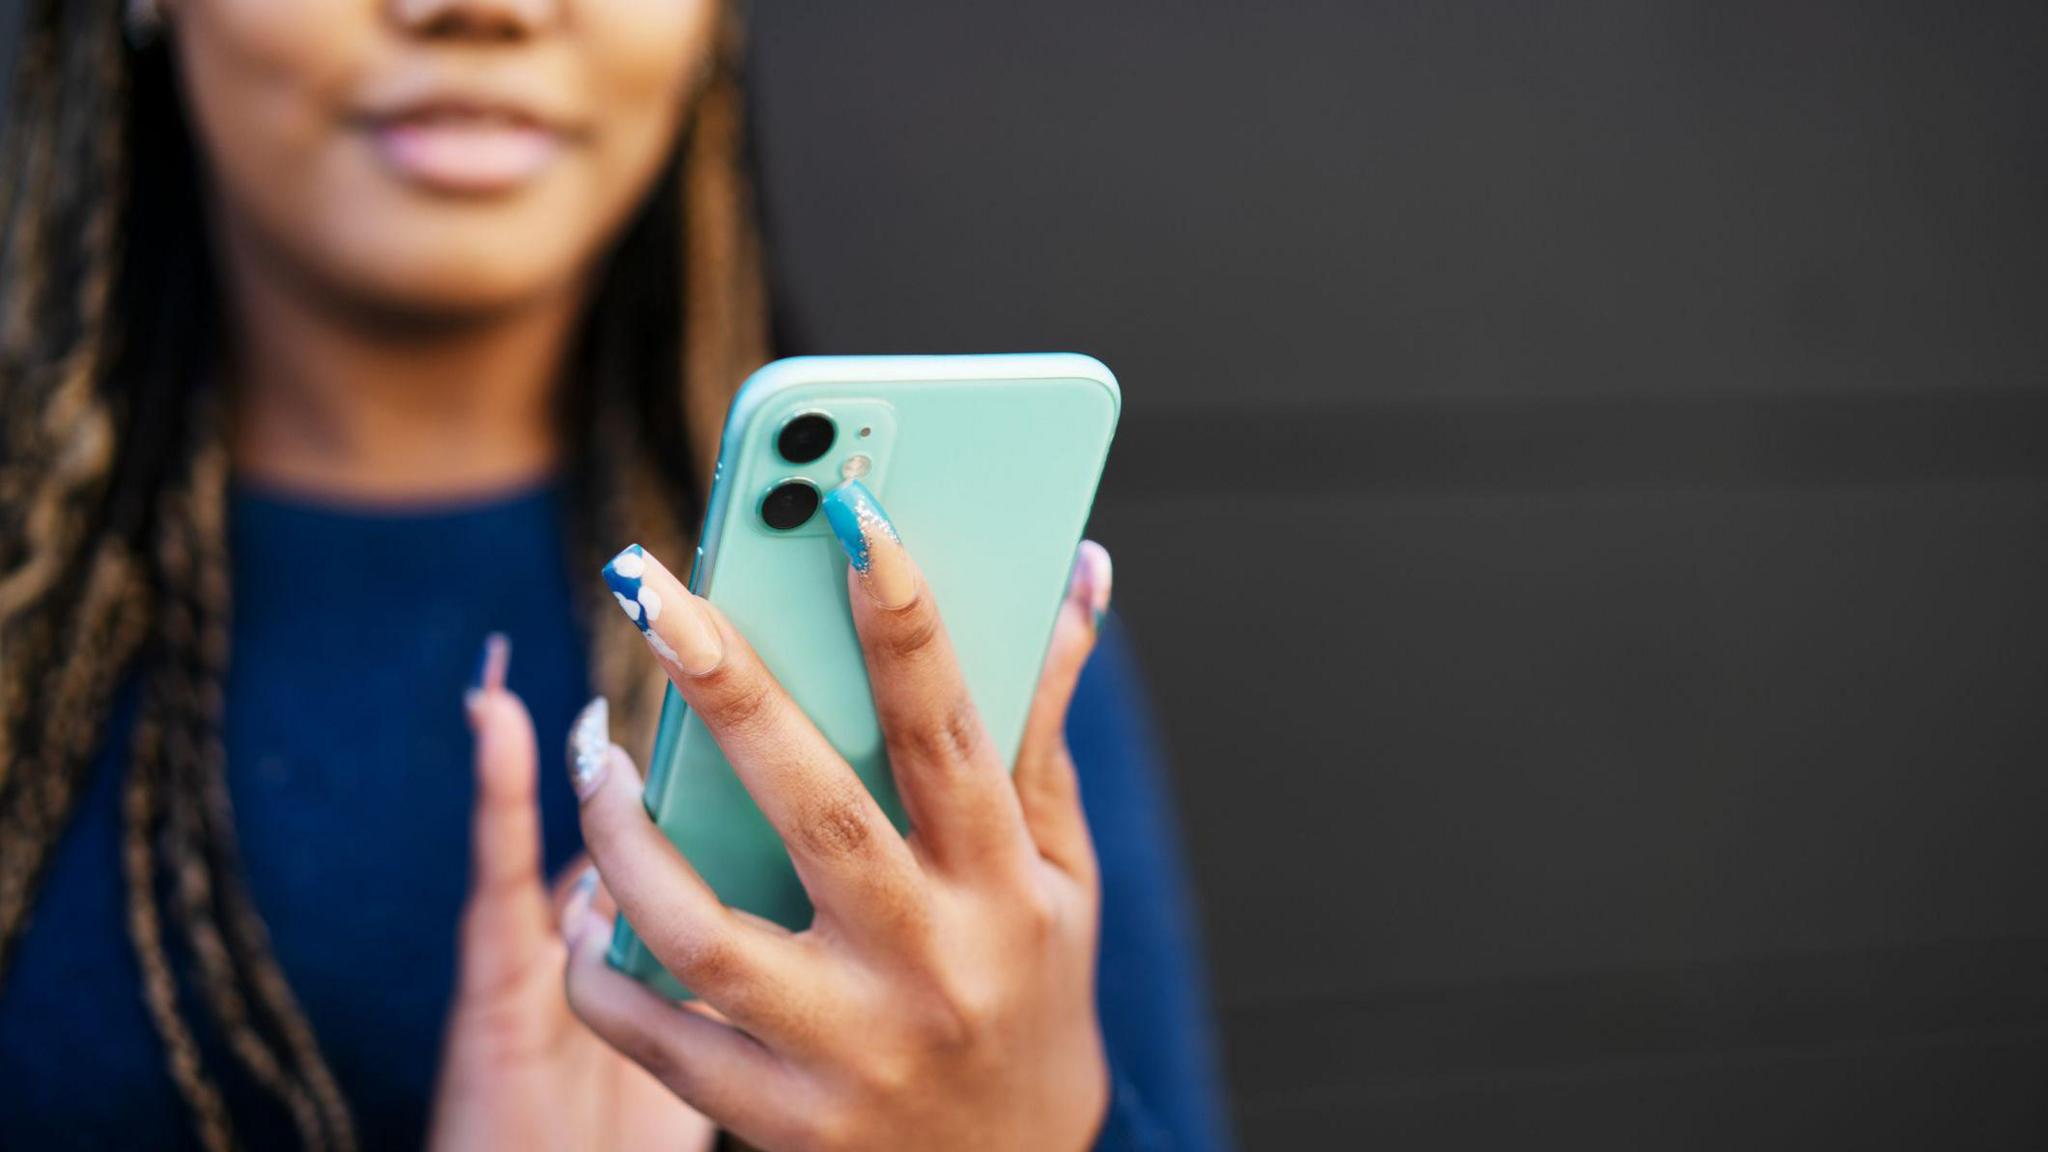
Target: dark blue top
{"x":349,"y":764}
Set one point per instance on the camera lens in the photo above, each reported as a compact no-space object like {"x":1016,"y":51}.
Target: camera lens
{"x":805,"y":438}
{"x":789,"y":505}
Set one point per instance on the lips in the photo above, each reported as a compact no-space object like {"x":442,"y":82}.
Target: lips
{"x":466,"y":149}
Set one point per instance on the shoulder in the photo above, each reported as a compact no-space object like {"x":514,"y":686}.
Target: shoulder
{"x":1110,"y":716}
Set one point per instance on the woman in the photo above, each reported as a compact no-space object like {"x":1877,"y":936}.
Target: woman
{"x":339,"y":334}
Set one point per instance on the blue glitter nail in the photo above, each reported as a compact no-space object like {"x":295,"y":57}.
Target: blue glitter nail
{"x":854,"y":514}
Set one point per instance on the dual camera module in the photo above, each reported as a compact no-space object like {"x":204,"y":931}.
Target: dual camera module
{"x":792,"y":503}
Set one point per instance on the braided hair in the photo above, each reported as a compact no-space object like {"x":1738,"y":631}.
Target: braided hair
{"x":113,"y":489}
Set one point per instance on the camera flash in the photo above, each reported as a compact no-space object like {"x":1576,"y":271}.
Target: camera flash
{"x":855,"y":467}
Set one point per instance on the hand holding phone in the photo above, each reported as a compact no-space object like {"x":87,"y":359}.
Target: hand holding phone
{"x":988,"y":464}
{"x":944,"y":994}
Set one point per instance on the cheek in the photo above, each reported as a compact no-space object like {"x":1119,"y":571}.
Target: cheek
{"x":645,"y":59}
{"x":262,"y":79}
{"x":264,"y":83}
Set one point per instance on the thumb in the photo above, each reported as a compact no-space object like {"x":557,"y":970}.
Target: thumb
{"x":506,"y":923}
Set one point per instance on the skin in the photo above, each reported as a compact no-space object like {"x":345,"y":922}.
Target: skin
{"x":388,"y":344}
{"x":943,"y":998}
{"x":390,"y":341}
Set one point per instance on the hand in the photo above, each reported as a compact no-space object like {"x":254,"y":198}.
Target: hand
{"x":944,"y":996}
{"x":519,"y":1071}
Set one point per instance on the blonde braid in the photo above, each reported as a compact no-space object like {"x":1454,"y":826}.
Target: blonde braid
{"x":58,"y":439}
{"x":725,"y":300}
{"x":199,"y":832}
{"x":724,"y":324}
{"x":140,"y":813}
{"x":113,"y":533}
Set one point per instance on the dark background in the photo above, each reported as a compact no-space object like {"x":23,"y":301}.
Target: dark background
{"x":1582,"y":504}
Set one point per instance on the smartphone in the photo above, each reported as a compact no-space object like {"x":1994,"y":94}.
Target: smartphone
{"x":987,"y":466}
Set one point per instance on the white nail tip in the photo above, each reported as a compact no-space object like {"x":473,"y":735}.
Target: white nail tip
{"x":661,"y":648}
{"x":650,"y":600}
{"x":631,"y":565}
{"x":632,"y":607}
{"x":590,"y":745}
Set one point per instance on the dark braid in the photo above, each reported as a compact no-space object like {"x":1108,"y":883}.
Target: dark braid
{"x":65,"y":179}
{"x":139,"y":816}
{"x":113,"y":482}
{"x":56,"y":437}
{"x":199,"y":832}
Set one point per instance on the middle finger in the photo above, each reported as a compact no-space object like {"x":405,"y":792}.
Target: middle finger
{"x":947,"y":768}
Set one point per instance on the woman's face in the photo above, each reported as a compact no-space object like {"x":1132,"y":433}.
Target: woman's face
{"x":434,"y":157}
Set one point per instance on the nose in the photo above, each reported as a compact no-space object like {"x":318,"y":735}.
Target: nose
{"x":475,"y":19}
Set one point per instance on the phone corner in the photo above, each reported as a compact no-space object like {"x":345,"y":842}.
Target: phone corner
{"x":1083,"y":366}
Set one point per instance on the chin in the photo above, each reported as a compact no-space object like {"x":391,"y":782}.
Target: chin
{"x":458,"y":282}
{"x":443,"y":269}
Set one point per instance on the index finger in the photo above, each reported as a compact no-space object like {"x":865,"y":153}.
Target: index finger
{"x":505,"y":819}
{"x":858,"y":871}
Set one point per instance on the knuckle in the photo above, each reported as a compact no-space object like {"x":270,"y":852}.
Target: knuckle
{"x":630,"y":1036}
{"x":885,"y":1076}
{"x":699,"y":958}
{"x":914,"y":632}
{"x":953,"y":736}
{"x":738,"y":701}
{"x":965,"y":1020}
{"x":1038,"y":913}
{"x":1087,"y":873}
{"x":650,"y":1053}
{"x":832,"y":1129}
{"x":667,"y":1065}
{"x":837,"y":825}
{"x":959,"y":1014}
{"x":960,"y":730}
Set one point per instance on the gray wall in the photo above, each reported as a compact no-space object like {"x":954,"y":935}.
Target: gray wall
{"x":1582,"y":506}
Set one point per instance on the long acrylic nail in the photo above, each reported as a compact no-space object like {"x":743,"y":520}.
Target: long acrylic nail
{"x":677,"y":625}
{"x":871,"y":544}
{"x":1090,"y":583}
{"x":590,"y":747}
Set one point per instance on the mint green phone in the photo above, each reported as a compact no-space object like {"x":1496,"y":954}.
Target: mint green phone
{"x":987,"y":466}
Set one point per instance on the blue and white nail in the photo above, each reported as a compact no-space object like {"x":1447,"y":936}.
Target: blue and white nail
{"x":590,"y":747}
{"x":641,"y":604}
{"x":679,"y":627}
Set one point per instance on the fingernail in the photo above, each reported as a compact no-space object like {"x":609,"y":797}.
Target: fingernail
{"x":871,"y":544}
{"x":590,"y":747}
{"x":1090,"y":583}
{"x":578,"y":903}
{"x":675,"y":624}
{"x":490,"y":675}
{"x":491,"y":665}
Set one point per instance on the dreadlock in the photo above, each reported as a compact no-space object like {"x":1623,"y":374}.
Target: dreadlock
{"x":113,"y":492}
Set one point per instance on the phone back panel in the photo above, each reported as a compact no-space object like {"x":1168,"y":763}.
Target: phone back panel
{"x":987,"y":466}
